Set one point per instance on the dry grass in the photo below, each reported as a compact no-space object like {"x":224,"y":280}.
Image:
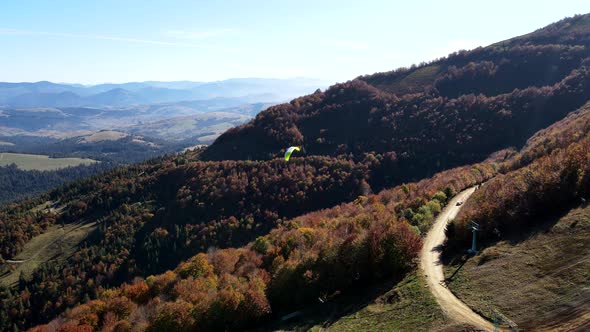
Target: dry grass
{"x":107,"y":135}
{"x":535,"y":280}
{"x":56,"y":244}
{"x":29,"y":162}
{"x":412,"y":82}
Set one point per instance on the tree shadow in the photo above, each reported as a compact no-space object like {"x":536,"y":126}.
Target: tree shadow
{"x":325,"y":314}
{"x":438,"y":248}
{"x":542,"y":225}
{"x":539,"y":224}
{"x":461,"y":263}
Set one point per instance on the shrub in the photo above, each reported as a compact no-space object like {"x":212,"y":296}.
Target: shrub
{"x":173,"y":317}
{"x":196,"y":267}
{"x":441,"y":197}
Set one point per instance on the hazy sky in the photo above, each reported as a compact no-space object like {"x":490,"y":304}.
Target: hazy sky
{"x":128,"y":40}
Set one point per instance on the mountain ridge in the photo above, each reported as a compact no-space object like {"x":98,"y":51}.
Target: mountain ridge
{"x":48,"y":94}
{"x":457,"y":109}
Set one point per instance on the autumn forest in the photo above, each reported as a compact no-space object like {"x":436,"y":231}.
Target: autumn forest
{"x":231,"y":236}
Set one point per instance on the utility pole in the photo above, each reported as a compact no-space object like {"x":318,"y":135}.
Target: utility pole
{"x":474,"y":229}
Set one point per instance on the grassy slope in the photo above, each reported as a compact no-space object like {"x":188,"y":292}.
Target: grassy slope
{"x":29,"y":162}
{"x":414,"y":81}
{"x":415,"y":310}
{"x":55,"y":244}
{"x":549,"y":268}
{"x":406,"y":306}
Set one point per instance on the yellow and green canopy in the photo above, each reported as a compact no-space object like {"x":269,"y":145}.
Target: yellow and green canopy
{"x":290,"y":151}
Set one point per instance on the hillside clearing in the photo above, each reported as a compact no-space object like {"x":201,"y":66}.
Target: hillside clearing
{"x":57,"y":243}
{"x":30,"y":162}
{"x":106,"y":135}
{"x":550,"y":268}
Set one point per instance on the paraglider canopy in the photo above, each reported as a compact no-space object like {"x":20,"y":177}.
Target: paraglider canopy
{"x":290,"y":151}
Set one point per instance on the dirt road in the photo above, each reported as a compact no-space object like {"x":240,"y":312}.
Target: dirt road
{"x":433,"y":268}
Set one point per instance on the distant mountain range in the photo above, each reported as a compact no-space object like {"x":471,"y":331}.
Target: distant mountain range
{"x":60,"y":122}
{"x":48,"y":94}
{"x":123,"y":134}
{"x":175,"y":114}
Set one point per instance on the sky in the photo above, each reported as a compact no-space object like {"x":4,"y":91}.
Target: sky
{"x":116,"y":41}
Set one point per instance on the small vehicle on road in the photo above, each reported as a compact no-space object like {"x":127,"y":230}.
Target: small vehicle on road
{"x":459,"y":203}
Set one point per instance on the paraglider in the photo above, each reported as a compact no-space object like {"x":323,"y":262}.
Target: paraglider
{"x":290,"y":151}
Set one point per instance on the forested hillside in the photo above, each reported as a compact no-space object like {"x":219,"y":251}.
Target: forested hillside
{"x":437,"y":115}
{"x":152,"y":216}
{"x":547,"y":177}
{"x":534,"y":235}
{"x":18,"y":184}
{"x":315,"y":255}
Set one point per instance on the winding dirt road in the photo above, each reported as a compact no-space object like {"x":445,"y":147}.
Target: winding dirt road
{"x":433,"y":268}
